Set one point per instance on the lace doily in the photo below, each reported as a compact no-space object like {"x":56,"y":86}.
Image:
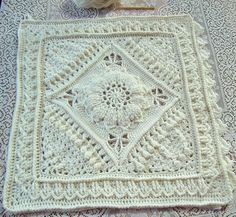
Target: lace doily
{"x":115,"y":112}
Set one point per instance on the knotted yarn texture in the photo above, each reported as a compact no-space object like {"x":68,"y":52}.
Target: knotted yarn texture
{"x":115,"y":112}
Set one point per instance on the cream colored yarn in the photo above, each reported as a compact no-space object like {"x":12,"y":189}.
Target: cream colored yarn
{"x":115,"y":112}
{"x":96,"y":3}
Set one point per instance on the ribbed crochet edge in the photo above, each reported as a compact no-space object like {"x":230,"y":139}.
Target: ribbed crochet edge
{"x":13,"y":134}
{"x":215,"y":111}
{"x":114,"y":204}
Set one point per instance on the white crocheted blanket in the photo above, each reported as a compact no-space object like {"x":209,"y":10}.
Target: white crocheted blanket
{"x":115,"y":112}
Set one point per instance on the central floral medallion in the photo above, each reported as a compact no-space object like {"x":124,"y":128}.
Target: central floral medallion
{"x":118,"y":99}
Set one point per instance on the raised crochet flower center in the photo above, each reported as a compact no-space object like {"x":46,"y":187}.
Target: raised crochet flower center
{"x":117,"y":99}
{"x":116,"y":95}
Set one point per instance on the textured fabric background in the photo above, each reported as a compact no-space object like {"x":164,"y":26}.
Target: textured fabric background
{"x":218,"y":17}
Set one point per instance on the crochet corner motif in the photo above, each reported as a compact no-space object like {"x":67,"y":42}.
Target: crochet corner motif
{"x":123,"y":116}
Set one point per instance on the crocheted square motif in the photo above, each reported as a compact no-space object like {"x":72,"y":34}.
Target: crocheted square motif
{"x":115,"y":112}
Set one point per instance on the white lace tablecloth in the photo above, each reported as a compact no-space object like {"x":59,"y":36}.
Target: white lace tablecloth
{"x":218,"y":17}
